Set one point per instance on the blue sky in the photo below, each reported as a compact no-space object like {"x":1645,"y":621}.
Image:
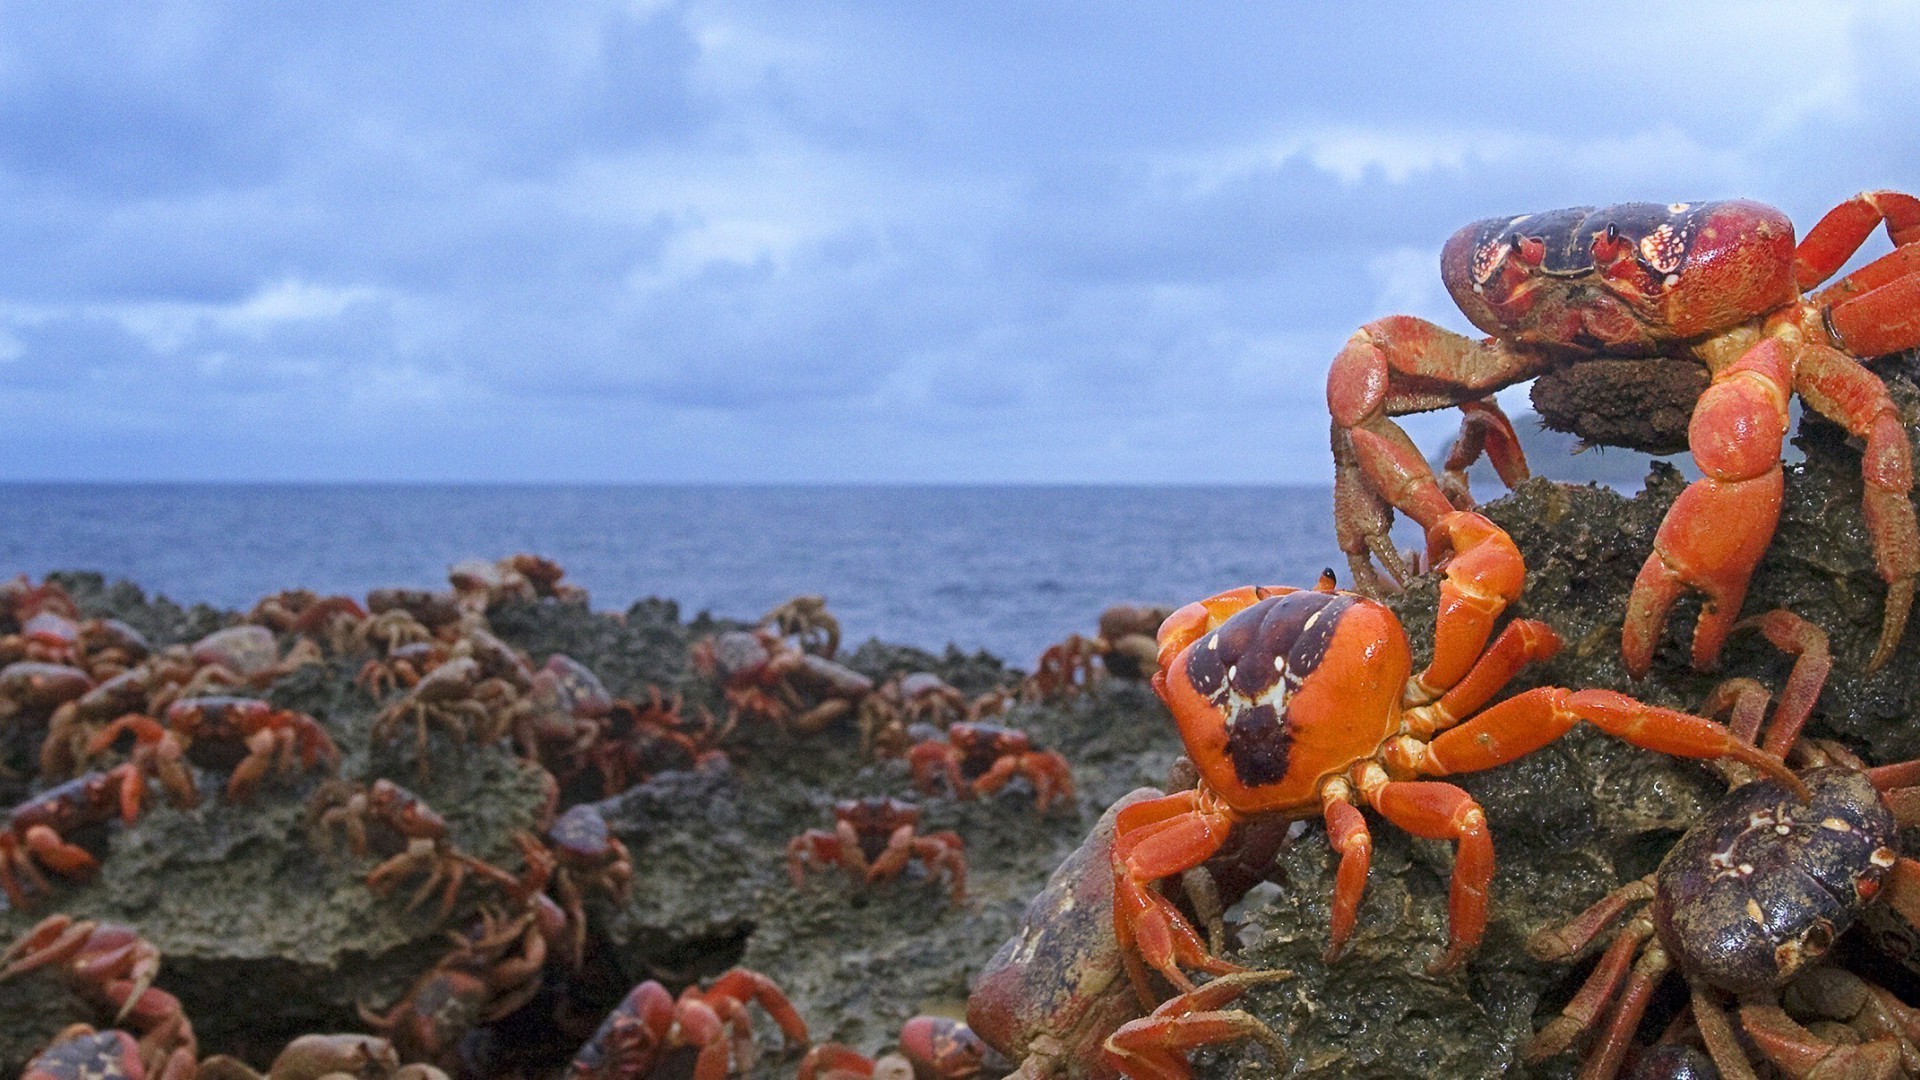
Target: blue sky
{"x":744,"y":241}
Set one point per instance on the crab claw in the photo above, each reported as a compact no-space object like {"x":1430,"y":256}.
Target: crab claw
{"x":1720,"y":526}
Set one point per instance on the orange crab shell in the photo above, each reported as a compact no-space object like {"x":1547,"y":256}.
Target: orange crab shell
{"x":1326,"y":696}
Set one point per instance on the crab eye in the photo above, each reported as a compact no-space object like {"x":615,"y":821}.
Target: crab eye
{"x":1531,"y":250}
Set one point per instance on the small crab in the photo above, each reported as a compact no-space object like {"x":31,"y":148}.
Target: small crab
{"x":495,"y":967}
{"x":650,"y":1028}
{"x":457,"y":696}
{"x":933,"y":1047}
{"x":334,"y":621}
{"x":325,"y":1057}
{"x":110,"y":646}
{"x":641,"y":739}
{"x":250,"y":737}
{"x":245,"y":655}
{"x":918,"y":697}
{"x":1065,"y":670}
{"x":114,"y":967}
{"x":805,"y":618}
{"x":40,"y":831}
{"x":544,"y":575}
{"x":81,"y":1053}
{"x":1747,"y":903}
{"x":403,"y":665}
{"x":580,"y":855}
{"x":48,"y":636}
{"x":437,"y":611}
{"x":761,"y":676}
{"x":1303,"y":703}
{"x":564,"y":716}
{"x":979,"y":759}
{"x":70,"y":732}
{"x":423,"y":839}
{"x":35,"y":688}
{"x":875,"y":838}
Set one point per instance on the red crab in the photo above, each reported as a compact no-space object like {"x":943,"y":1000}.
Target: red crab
{"x":1718,"y":283}
{"x":251,"y":737}
{"x":919,"y":697}
{"x":1127,"y":645}
{"x":1298,"y":704}
{"x":561,"y":720}
{"x":70,"y":732}
{"x":458,"y":696}
{"x":933,"y":1047}
{"x":807,"y":621}
{"x":762,"y":676}
{"x":1065,"y":669}
{"x":495,"y":967}
{"x":581,"y":855}
{"x":649,"y":1026}
{"x":641,"y":739}
{"x":39,"y":832}
{"x":422,"y":832}
{"x":81,"y":1053}
{"x":319,"y":1057}
{"x":875,"y":839}
{"x":115,"y":967}
{"x":979,"y":759}
{"x":246,"y":655}
{"x":37,"y":688}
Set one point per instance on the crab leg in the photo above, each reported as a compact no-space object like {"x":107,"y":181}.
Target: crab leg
{"x":1484,"y":429}
{"x":1157,"y":839}
{"x":1522,"y":642}
{"x":1840,"y":389}
{"x":1584,"y":1010}
{"x":741,"y":985}
{"x":1392,"y":367}
{"x":1441,"y":811}
{"x":1835,"y":237}
{"x":1798,"y":1052}
{"x":1526,"y":722}
{"x":1154,"y":1046}
{"x":1604,"y":1061}
{"x":1716,"y":532}
{"x":1347,"y":834}
{"x":1485,"y":574}
{"x":1808,"y":644}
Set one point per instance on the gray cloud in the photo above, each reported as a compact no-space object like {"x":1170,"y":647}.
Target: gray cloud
{"x":739,"y":241}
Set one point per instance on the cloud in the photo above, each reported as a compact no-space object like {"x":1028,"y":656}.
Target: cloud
{"x":727,"y":239}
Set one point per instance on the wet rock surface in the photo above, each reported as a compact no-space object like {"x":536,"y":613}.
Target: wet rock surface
{"x":266,"y":936}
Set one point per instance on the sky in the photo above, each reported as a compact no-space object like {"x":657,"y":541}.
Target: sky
{"x":995,"y":242}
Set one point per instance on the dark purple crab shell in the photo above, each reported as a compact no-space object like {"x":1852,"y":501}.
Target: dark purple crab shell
{"x":1763,"y":885}
{"x":581,"y":831}
{"x":101,"y":1055}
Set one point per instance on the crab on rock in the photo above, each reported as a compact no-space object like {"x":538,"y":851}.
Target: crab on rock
{"x":1299,"y":703}
{"x":979,"y":759}
{"x":650,"y":1027}
{"x":1719,"y":283}
{"x":875,"y":839}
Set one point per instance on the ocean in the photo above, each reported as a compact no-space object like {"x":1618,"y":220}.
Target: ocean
{"x":1007,"y":569}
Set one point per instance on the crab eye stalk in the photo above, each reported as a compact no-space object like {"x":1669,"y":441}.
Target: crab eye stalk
{"x":1531,"y":250}
{"x":1610,"y":248}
